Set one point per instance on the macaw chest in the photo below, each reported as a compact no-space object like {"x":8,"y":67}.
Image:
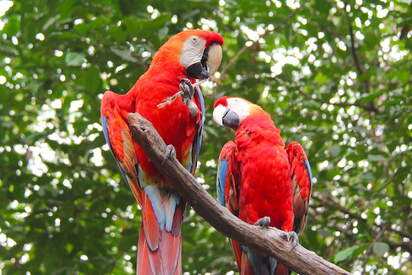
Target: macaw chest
{"x":174,"y":123}
{"x":265,"y":188}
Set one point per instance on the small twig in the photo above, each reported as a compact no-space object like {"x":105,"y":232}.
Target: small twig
{"x":372,"y":231}
{"x":341,"y":104}
{"x":172,"y":98}
{"x":233,"y":60}
{"x":355,"y":57}
{"x":354,"y":50}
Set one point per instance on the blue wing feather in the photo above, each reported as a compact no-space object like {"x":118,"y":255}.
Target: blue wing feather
{"x":164,"y":210}
{"x":106,"y":137}
{"x":309,"y":170}
{"x":197,"y":143}
{"x":105,"y":131}
{"x":221,"y":180}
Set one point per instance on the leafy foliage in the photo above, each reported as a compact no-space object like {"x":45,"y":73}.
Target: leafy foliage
{"x":334,"y":75}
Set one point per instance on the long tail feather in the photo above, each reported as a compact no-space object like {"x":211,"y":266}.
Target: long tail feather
{"x":159,"y":247}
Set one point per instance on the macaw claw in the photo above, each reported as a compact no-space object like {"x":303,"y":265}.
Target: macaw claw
{"x":292,"y":238}
{"x":169,"y":154}
{"x":263,"y":222}
{"x":188,"y":90}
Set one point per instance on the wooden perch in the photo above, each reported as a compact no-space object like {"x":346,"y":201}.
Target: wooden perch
{"x":269,"y":241}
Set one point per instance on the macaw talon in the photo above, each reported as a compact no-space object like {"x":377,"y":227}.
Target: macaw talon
{"x":188,"y":90}
{"x":263,"y":222}
{"x":169,"y":154}
{"x":292,"y":238}
{"x":193,"y":110}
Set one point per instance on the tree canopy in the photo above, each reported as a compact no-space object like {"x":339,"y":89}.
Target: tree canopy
{"x":334,"y":75}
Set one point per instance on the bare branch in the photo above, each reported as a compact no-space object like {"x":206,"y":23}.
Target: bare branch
{"x":233,"y":60}
{"x":370,"y":108}
{"x":355,"y":57}
{"x":270,"y":241}
{"x":355,"y":216}
{"x":353,"y":50}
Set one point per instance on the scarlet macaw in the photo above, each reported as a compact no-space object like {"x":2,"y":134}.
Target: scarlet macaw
{"x":185,"y":57}
{"x":258,"y":178}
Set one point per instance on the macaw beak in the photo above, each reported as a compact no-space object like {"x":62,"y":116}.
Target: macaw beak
{"x":231,"y":119}
{"x":208,"y":65}
{"x":226,"y":117}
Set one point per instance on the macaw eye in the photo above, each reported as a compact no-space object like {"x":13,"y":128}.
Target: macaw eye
{"x":195,"y":40}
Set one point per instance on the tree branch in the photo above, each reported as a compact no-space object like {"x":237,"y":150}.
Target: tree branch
{"x":233,"y":60}
{"x":369,"y":108}
{"x":353,"y":50}
{"x":355,"y":216}
{"x":270,"y":241}
{"x":354,"y":53}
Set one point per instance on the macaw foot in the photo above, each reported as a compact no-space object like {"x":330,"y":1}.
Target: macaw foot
{"x":291,"y":237}
{"x":263,"y":222}
{"x":193,"y":110}
{"x":188,"y":90}
{"x":169,"y":154}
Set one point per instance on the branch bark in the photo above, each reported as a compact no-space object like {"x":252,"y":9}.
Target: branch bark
{"x":270,"y":241}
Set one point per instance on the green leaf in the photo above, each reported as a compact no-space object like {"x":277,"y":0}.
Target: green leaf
{"x":345,"y":254}
{"x":403,"y":76}
{"x":91,"y":79}
{"x":124,"y":54}
{"x":372,"y":96}
{"x":321,"y":78}
{"x":380,"y":248}
{"x":376,"y":158}
{"x":74,"y":59}
{"x":334,"y":151}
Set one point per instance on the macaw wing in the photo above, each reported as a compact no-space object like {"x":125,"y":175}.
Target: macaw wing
{"x":228,"y":188}
{"x":228,"y":178}
{"x":301,"y":183}
{"x":118,"y":137}
{"x":162,"y":212}
{"x":197,"y":142}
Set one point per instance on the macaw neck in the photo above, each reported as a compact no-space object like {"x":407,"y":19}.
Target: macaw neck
{"x":163,"y":73}
{"x":173,"y":68}
{"x":260,"y":128}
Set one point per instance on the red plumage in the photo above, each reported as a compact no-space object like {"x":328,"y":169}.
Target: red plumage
{"x":159,"y":250}
{"x":261,"y":177}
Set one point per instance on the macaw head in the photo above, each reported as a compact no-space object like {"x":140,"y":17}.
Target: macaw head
{"x":232,"y":111}
{"x":197,"y":53}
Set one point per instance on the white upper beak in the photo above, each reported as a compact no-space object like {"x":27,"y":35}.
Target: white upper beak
{"x":214,"y":58}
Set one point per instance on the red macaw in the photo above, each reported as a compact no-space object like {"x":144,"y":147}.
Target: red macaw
{"x":259,"y":178}
{"x":185,"y":57}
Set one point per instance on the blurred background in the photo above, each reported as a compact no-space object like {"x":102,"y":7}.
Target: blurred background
{"x":334,"y":75}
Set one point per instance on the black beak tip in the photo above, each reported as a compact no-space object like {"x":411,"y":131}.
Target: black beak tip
{"x":231,"y":119}
{"x":197,"y":70}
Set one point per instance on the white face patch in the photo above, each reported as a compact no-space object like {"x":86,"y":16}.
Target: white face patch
{"x":234,"y":104}
{"x":239,"y":106}
{"x":218,"y":113}
{"x":192,"y":51}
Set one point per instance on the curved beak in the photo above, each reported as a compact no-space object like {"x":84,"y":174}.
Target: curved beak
{"x":215,"y":57}
{"x":226,"y":117}
{"x":231,"y":119}
{"x":208,"y":65}
{"x":198,"y":70}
